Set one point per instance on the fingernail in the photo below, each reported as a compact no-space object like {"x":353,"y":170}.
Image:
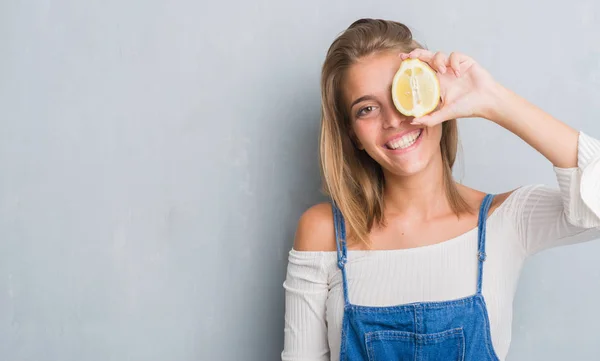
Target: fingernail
{"x":457,"y":73}
{"x":442,"y":69}
{"x":414,"y":122}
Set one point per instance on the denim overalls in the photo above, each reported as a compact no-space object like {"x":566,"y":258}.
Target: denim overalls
{"x":453,"y":330}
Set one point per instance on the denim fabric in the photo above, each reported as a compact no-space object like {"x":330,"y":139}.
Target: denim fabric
{"x":454,"y":330}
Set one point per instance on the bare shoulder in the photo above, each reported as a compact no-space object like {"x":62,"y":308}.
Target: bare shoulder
{"x":315,"y":231}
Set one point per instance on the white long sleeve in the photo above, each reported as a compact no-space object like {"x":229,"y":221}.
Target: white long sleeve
{"x":306,"y":289}
{"x":532,"y":219}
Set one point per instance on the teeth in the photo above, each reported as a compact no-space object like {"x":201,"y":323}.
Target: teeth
{"x":404,"y":142}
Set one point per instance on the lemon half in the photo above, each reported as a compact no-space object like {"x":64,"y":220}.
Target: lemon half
{"x":415,"y":88}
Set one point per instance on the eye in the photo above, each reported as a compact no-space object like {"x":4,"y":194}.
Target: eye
{"x":364,"y":111}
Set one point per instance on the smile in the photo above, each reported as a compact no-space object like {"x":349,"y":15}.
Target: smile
{"x":404,"y":142}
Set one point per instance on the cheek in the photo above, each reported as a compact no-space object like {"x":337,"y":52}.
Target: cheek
{"x":435,"y":133}
{"x":365,"y":132}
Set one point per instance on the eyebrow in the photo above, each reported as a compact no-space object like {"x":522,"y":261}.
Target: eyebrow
{"x":362,"y":99}
{"x":366,"y":97}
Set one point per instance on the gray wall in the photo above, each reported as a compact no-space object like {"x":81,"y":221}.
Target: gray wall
{"x":156,"y":155}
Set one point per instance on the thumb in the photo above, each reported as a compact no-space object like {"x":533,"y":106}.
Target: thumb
{"x":436,"y":117}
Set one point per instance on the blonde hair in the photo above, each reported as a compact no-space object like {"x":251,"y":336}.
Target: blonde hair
{"x":351,"y":178}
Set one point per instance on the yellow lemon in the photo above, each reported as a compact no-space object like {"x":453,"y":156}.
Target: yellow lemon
{"x":415,"y":88}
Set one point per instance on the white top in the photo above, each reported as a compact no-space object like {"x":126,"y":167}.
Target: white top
{"x":531,"y":219}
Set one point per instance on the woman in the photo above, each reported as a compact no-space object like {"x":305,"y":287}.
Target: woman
{"x":405,"y":263}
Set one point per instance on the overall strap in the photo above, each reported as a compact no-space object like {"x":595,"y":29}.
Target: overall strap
{"x":483,"y":211}
{"x":340,"y":243}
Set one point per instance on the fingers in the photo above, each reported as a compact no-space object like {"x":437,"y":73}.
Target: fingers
{"x":436,"y":60}
{"x":421,"y":54}
{"x":436,"y":117}
{"x":455,"y":63}
{"x":439,"y":61}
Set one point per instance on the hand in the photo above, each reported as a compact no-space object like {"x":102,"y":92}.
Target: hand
{"x":466,"y":89}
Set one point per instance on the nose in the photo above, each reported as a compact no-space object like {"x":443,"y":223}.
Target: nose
{"x":392,"y":118}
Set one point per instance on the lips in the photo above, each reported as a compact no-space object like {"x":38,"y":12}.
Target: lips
{"x":404,"y":140}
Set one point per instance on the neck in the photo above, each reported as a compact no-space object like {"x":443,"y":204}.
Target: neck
{"x":419,"y":196}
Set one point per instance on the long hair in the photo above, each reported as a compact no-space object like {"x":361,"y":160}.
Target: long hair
{"x":351,"y":178}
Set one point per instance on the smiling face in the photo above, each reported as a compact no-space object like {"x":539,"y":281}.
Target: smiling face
{"x":379,"y":128}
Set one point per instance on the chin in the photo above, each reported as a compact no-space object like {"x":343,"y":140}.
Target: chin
{"x":410,"y":163}
{"x":407,"y":169}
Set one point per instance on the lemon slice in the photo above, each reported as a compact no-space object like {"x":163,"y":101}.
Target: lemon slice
{"x":415,"y":88}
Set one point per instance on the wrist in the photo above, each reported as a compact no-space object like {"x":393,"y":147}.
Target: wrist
{"x":500,"y":101}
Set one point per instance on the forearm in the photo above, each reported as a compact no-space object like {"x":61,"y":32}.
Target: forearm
{"x":554,"y":139}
